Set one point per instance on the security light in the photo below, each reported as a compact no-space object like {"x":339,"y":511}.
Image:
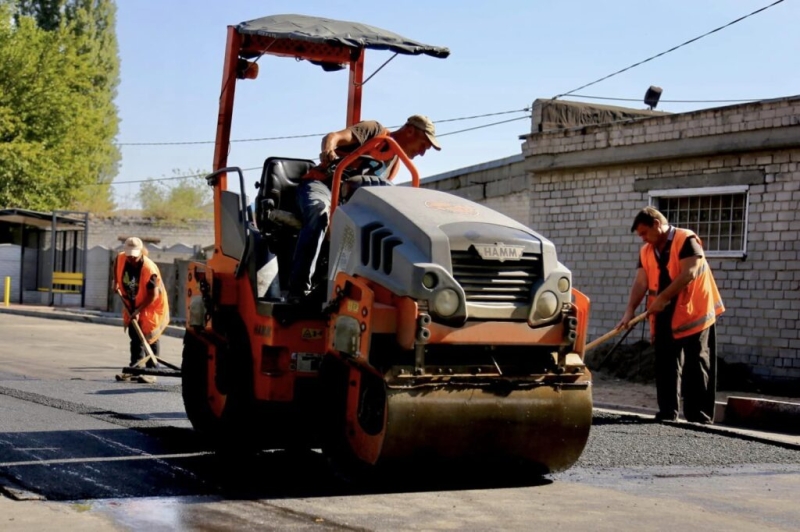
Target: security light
{"x":651,"y":96}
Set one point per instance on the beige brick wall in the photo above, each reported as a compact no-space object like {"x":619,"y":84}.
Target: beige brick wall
{"x":108,"y":231}
{"x":587,"y":213}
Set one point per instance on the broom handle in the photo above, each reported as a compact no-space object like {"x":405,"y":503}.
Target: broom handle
{"x":613,"y":332}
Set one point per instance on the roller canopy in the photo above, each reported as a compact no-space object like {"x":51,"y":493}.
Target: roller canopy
{"x":336,"y":32}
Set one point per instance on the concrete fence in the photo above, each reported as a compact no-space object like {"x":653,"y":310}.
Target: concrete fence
{"x":30,"y":283}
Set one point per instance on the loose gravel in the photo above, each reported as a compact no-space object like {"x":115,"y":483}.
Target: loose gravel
{"x":630,"y":441}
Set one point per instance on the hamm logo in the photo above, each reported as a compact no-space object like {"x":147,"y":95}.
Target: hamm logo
{"x":499,"y":251}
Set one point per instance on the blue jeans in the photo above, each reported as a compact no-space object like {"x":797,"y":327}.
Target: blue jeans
{"x":314,"y":201}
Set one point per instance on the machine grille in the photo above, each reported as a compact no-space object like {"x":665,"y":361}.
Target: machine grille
{"x":492,"y":281}
{"x":377,"y":243}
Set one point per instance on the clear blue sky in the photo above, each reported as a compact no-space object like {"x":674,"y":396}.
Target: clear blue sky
{"x":504,"y":55}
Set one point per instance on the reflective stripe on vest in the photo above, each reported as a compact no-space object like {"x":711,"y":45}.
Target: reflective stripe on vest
{"x":710,"y":317}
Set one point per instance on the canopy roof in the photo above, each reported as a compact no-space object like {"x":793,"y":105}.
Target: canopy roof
{"x":41,"y":220}
{"x":336,"y":33}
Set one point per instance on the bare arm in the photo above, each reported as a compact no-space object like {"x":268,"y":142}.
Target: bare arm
{"x":334,"y":140}
{"x":690,"y":269}
{"x":638,"y":291}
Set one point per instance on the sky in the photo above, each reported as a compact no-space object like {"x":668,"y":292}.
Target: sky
{"x":504,"y":55}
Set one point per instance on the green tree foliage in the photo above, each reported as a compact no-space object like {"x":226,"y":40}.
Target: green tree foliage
{"x":46,"y":13}
{"x":182,"y":200}
{"x":59,"y":70}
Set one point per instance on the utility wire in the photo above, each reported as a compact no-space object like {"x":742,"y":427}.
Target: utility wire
{"x":523,"y":110}
{"x":168,"y":178}
{"x":439,"y":135}
{"x":483,"y":126}
{"x":668,"y":51}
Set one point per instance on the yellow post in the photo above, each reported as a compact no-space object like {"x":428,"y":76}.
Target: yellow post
{"x":7,"y":296}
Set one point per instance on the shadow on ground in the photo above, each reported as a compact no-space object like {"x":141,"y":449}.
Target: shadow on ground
{"x":169,"y":462}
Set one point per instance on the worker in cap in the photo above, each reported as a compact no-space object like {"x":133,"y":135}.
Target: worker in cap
{"x":139,"y":282}
{"x":377,"y":167}
{"x":683,"y":304}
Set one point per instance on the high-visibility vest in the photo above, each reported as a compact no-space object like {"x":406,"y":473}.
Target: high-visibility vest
{"x":698,"y":304}
{"x":154,"y":318}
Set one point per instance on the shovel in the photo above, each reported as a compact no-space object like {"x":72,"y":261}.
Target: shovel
{"x":147,"y":349}
{"x":612,"y":333}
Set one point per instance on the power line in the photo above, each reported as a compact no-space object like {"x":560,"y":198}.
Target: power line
{"x":183,"y":143}
{"x":168,"y":178}
{"x":285,"y":137}
{"x":668,"y":51}
{"x":483,"y":126}
{"x":662,"y":100}
{"x":439,"y":135}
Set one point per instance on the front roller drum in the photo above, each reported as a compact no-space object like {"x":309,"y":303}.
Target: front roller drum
{"x":545,"y":427}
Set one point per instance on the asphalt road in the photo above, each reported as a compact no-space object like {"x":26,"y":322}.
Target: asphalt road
{"x":124,"y":453}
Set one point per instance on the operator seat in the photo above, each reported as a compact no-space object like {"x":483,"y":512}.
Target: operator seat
{"x":276,"y":189}
{"x":277,"y":196}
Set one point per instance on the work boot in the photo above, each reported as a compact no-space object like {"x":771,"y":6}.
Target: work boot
{"x":146,"y":379}
{"x":123,"y":377}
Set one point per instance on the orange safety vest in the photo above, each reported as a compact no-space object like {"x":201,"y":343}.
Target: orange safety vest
{"x":154,"y":318}
{"x":698,"y":304}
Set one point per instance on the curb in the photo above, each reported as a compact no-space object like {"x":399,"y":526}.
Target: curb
{"x":763,"y":414}
{"x":171,"y":330}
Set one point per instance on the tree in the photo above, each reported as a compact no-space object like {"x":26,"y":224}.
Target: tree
{"x":187,"y":198}
{"x":59,"y":71}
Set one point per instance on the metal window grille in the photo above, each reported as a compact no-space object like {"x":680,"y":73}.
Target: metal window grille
{"x":719,"y":220}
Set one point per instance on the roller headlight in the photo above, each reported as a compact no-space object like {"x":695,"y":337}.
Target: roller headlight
{"x":563,"y":285}
{"x":546,"y":305}
{"x":429,"y":280}
{"x":445,"y":302}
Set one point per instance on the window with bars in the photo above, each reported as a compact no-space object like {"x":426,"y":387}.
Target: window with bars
{"x":717,"y":215}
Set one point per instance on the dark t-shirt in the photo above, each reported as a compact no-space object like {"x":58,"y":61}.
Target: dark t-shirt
{"x":131,"y":277}
{"x":691,"y":248}
{"x":363,"y":131}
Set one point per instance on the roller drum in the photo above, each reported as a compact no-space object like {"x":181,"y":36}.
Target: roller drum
{"x":545,"y":426}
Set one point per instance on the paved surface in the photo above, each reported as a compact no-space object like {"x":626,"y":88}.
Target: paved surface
{"x":148,"y":479}
{"x":609,"y":393}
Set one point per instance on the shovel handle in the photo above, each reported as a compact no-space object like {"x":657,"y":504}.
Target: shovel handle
{"x":612,"y":333}
{"x":147,"y":349}
{"x":135,"y":324}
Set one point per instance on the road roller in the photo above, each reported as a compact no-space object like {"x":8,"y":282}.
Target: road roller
{"x":440,"y":329}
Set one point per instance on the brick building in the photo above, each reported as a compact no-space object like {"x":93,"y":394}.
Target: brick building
{"x":729,"y":173}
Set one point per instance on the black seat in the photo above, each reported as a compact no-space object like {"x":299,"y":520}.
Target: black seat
{"x":277,"y":192}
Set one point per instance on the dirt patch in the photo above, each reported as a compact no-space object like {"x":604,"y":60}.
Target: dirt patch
{"x":632,"y":362}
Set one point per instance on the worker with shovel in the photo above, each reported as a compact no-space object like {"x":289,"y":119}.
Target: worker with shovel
{"x":145,"y":312}
{"x":683,"y":306}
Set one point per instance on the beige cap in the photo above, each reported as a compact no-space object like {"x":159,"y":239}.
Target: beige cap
{"x":424,"y":124}
{"x":133,"y":247}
